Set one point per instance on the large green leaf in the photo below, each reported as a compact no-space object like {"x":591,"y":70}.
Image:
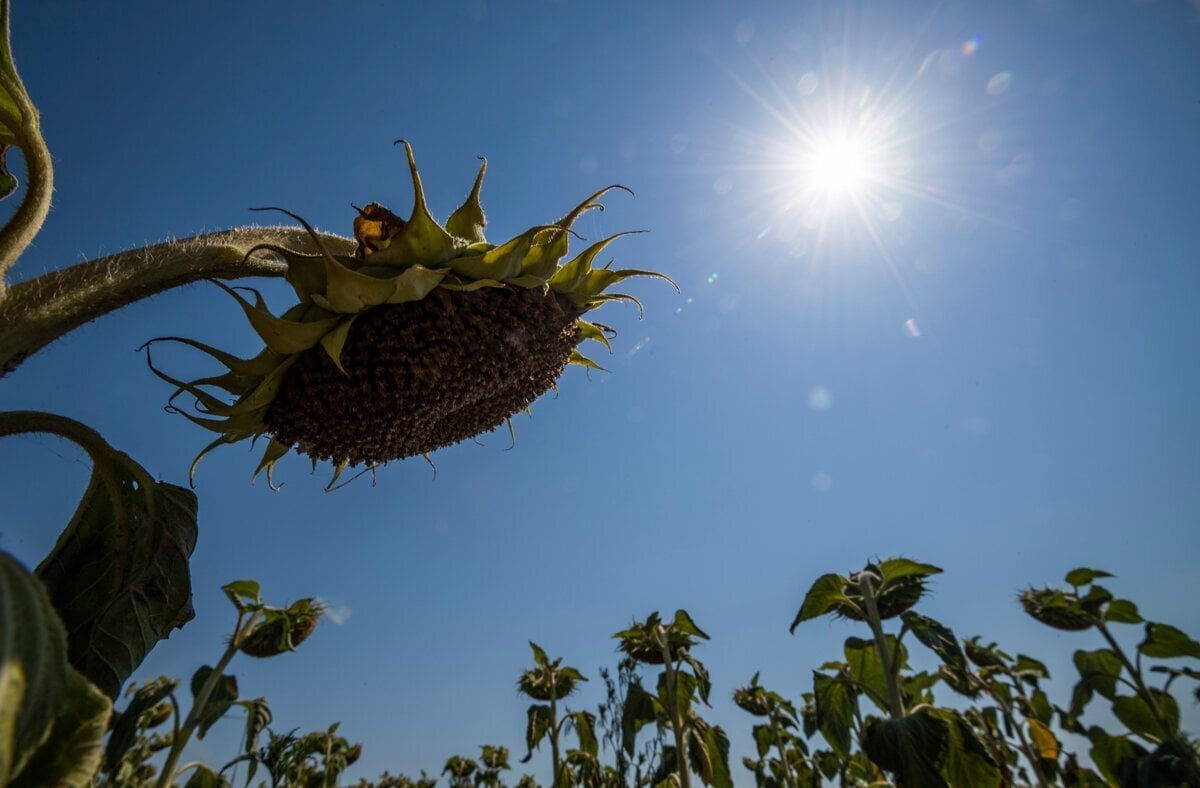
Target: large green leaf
{"x":640,"y":708}
{"x":930,"y":748}
{"x":866,"y":666}
{"x":118,"y":575}
{"x":1166,"y":642}
{"x":1115,"y":756}
{"x":539,"y":723}
{"x":224,"y":693}
{"x":52,"y":720}
{"x":825,"y":595}
{"x":1135,"y":712}
{"x":1098,"y":671}
{"x":835,"y":703}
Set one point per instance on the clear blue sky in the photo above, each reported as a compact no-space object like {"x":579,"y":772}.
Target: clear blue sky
{"x":985,"y":357}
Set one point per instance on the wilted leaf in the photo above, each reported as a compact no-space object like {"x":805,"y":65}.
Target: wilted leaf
{"x":52,"y":720}
{"x":716,"y":758}
{"x":224,"y":693}
{"x":1043,"y":740}
{"x":118,"y":576}
{"x":1166,"y":642}
{"x":125,"y":725}
{"x":204,"y":777}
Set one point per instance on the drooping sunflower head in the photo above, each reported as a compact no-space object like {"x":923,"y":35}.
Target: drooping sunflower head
{"x":426,"y":336}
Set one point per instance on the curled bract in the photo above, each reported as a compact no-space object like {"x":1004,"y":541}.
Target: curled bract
{"x":426,"y":336}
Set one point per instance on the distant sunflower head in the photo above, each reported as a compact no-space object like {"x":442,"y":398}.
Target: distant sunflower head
{"x":426,"y":336}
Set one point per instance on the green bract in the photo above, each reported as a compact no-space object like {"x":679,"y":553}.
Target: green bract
{"x":426,"y":336}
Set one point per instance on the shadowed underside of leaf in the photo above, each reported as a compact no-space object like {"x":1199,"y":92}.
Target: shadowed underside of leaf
{"x":52,"y":720}
{"x":118,"y":575}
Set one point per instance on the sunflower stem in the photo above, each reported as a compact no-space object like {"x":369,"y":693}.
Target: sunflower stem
{"x":180,"y":741}
{"x":685,"y":776}
{"x":39,"y":311}
{"x":25,"y":223}
{"x":895,"y":699}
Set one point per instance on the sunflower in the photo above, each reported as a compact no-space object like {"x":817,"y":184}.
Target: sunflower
{"x":426,"y":336}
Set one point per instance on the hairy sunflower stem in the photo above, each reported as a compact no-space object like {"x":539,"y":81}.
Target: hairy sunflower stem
{"x":685,"y":775}
{"x":27,"y":220}
{"x":895,"y":699}
{"x":193,"y":717}
{"x":39,"y":311}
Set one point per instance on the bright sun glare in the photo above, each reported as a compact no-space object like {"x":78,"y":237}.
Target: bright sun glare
{"x":839,"y":167}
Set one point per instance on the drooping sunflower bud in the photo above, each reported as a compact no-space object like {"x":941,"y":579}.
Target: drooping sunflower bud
{"x":753,"y":700}
{"x":283,"y":630}
{"x":426,"y":336}
{"x":1057,"y":609}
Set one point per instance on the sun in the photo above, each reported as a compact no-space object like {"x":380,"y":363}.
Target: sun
{"x":839,"y":166}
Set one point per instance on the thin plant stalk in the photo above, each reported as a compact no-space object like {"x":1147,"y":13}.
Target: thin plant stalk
{"x":210,"y":684}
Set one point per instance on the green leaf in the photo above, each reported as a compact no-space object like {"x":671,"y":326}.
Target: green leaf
{"x":764,"y":739}
{"x":1083,"y":576}
{"x":1098,"y":670}
{"x":940,"y":640}
{"x":1122,"y":611}
{"x":585,"y":729}
{"x":1115,"y":756}
{"x":909,"y":748}
{"x":539,"y":721}
{"x":1029,"y":668}
{"x":640,"y":708}
{"x":52,"y":720}
{"x":1135,"y":713}
{"x":539,"y":656}
{"x":932,"y":747}
{"x":684,"y":623}
{"x":118,"y":575}
{"x":835,"y":703}
{"x":825,"y":595}
{"x":222,"y":697}
{"x":896,"y":568}
{"x":716,"y":758}
{"x":243,"y":593}
{"x":865,"y":665}
{"x":1166,"y":642}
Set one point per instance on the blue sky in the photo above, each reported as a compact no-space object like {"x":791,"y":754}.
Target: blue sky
{"x":982,"y":356}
